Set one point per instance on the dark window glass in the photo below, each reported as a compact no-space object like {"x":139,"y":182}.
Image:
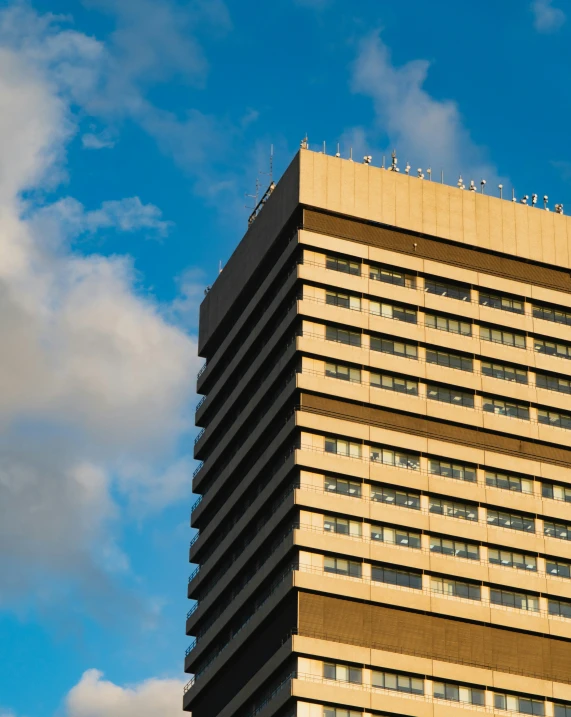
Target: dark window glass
{"x":558,"y":567}
{"x":553,"y":383}
{"x":450,"y":395}
{"x":404,"y":578}
{"x":342,"y":336}
{"x":453,"y":509}
{"x":393,"y":346}
{"x":343,"y":486}
{"x":344,"y":265}
{"x":557,"y":530}
{"x":460,"y":471}
{"x":554,"y":418}
{"x":392,"y":276}
{"x":499,"y":336}
{"x":511,"y":559}
{"x":444,"y":323}
{"x":559,"y":316}
{"x":394,"y":383}
{"x":497,"y":301}
{"x":457,"y":548}
{"x":509,"y":482}
{"x":552,"y":348}
{"x":504,"y":371}
{"x":445,"y":288}
{"x":396,"y":496}
{"x":442,"y":358}
{"x":515,"y":521}
{"x":561,"y":608}
{"x":501,"y":407}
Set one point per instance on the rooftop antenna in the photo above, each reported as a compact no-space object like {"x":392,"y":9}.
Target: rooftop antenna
{"x":220,"y":266}
{"x":394,"y":162}
{"x":367,"y":159}
{"x":324,"y":147}
{"x":460,"y":183}
{"x":254,"y":196}
{"x":338,"y":153}
{"x":533,"y":200}
{"x":472,"y":186}
{"x":407,"y":168}
{"x":524,"y":199}
{"x":513,"y":195}
{"x":351,"y":154}
{"x":559,"y":208}
{"x":419,"y":173}
{"x":545,"y":200}
{"x":501,"y":187}
{"x":483,"y":184}
{"x":441,"y":176}
{"x":429,"y":172}
{"x":304,"y":144}
{"x":383,"y":165}
{"x":270,"y":174}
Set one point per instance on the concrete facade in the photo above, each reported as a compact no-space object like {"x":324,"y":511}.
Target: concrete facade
{"x":384,"y":495}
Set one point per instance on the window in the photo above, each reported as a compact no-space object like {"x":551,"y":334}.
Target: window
{"x":497,"y":301}
{"x":343,"y":486}
{"x":345,"y":373}
{"x":557,"y":530}
{"x":455,"y":588}
{"x":450,"y":360}
{"x":395,"y":536}
{"x":342,"y":336}
{"x":509,"y":559}
{"x":343,"y":265}
{"x":559,"y":316}
{"x":561,"y":608}
{"x":452,"y":509}
{"x":558,"y":567}
{"x":457,"y":548}
{"x":340,"y":712}
{"x":344,"y":301}
{"x":342,"y":673}
{"x":501,"y":407}
{"x":553,"y":383}
{"x":509,"y":482}
{"x":552,"y":348}
{"x":392,"y":276}
{"x":445,"y":288}
{"x":499,"y":336}
{"x":401,"y":683}
{"x":343,"y":526}
{"x":443,"y":323}
{"x":460,"y":471}
{"x":397,"y":348}
{"x":458,"y":693}
{"x":562,"y":710}
{"x":450,"y":395}
{"x":503,"y":371}
{"x":554,"y":418}
{"x":515,"y":703}
{"x":556,"y":492}
{"x":391,"y":311}
{"x":392,"y":457}
{"x":396,"y":496}
{"x":404,"y":578}
{"x":341,"y":566}
{"x":508,"y":598}
{"x":394,"y":383}
{"x":515,"y":521}
{"x":343,"y":448}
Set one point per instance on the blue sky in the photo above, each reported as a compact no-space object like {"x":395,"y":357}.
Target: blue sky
{"x":130,"y":131}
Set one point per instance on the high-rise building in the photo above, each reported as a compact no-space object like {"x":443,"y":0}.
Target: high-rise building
{"x":384,"y":506}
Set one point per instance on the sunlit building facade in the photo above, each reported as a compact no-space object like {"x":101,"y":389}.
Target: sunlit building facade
{"x":384,"y":498}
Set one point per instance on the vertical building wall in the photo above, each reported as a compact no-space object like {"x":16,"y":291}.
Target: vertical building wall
{"x":383,"y":511}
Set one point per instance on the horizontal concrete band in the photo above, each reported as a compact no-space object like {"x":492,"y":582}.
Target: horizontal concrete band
{"x":438,"y":638}
{"x":435,"y":249}
{"x":349,"y":411}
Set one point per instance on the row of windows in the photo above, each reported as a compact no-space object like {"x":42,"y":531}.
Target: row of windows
{"x":459,"y":548}
{"x":402,"y":577}
{"x":493,"y":369}
{"x":452,"y":290}
{"x":448,"y":469}
{"x":445,"y":546}
{"x":447,"y":394}
{"x":451,"y":691}
{"x":446,"y":323}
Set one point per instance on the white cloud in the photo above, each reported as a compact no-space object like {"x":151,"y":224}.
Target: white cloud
{"x":547,"y":18}
{"x":95,"y":697}
{"x":427,"y":131}
{"x":103,"y":140}
{"x":93,"y":378}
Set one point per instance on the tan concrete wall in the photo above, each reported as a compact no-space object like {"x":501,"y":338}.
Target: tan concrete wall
{"x":483,"y":221}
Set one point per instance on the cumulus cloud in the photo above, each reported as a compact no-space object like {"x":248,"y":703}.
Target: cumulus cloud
{"x":95,"y":381}
{"x":92,"y":140}
{"x":431,"y":132}
{"x":95,"y":697}
{"x":546,"y":18}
